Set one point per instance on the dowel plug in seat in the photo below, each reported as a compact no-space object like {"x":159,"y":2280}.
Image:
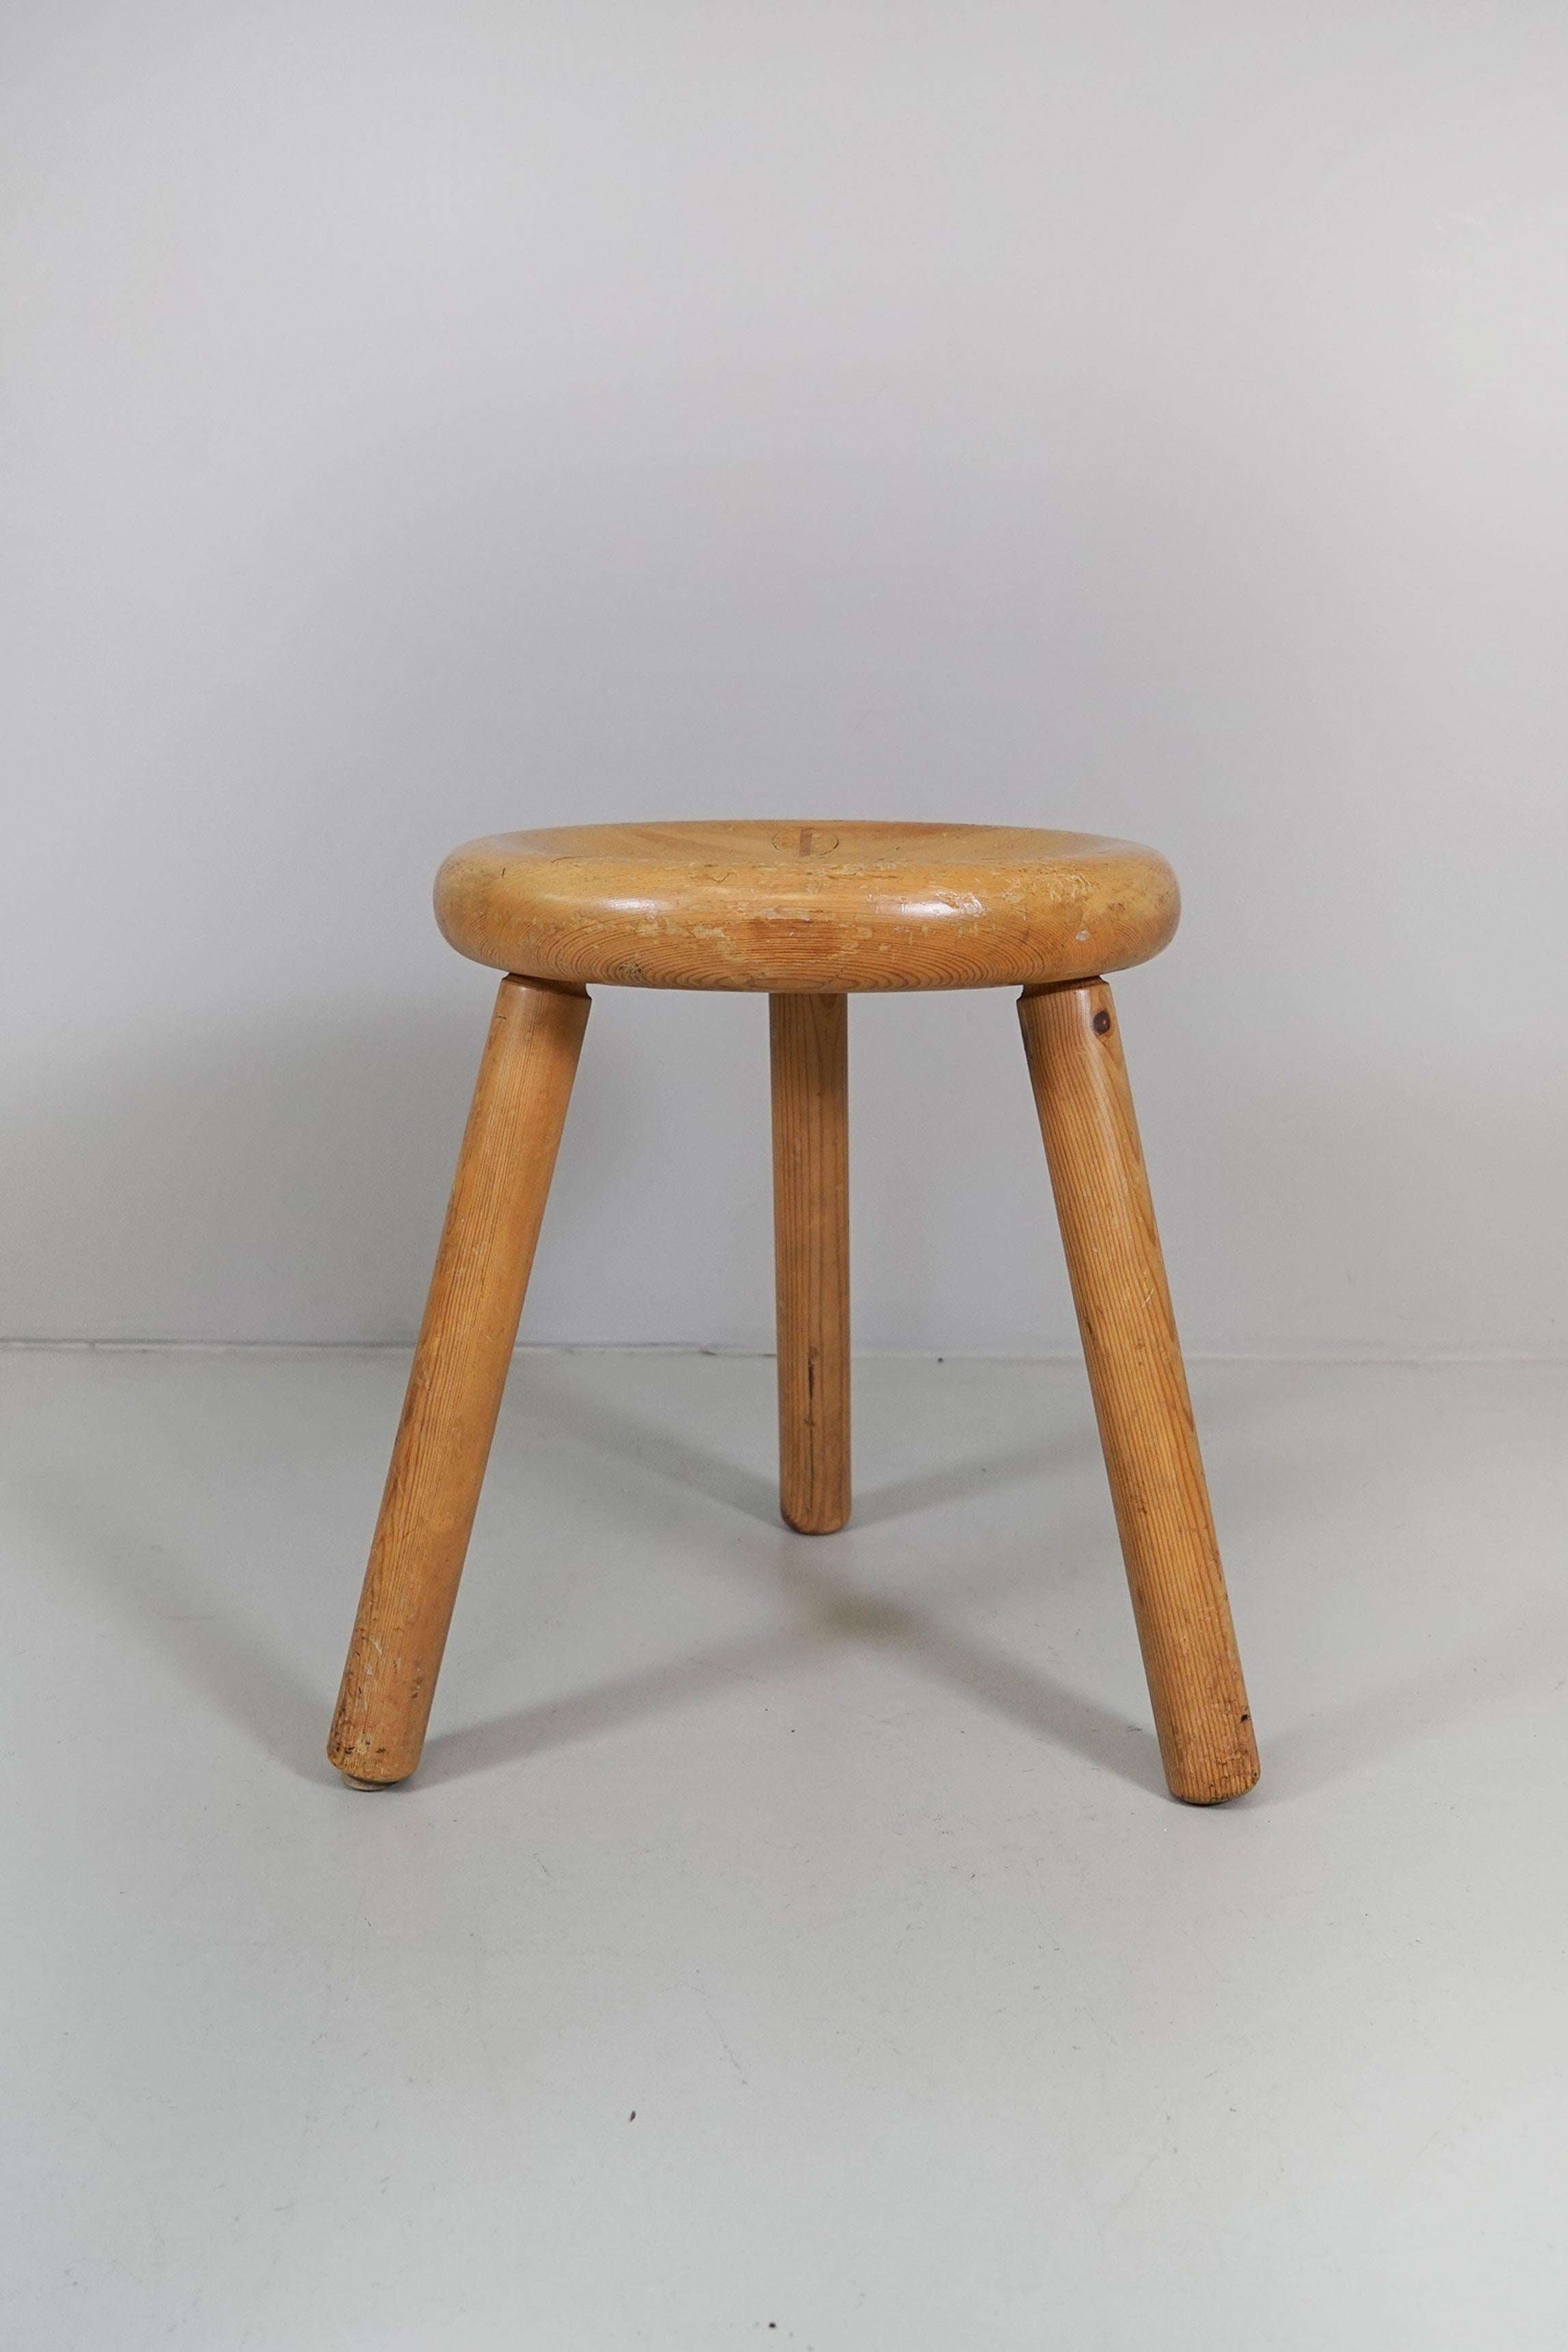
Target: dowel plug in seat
{"x":808,"y":913}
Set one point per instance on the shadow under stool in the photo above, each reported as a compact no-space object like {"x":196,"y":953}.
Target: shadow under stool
{"x":808,"y":914}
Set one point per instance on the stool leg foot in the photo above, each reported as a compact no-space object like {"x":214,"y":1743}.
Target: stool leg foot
{"x":459,"y":1371}
{"x":809,"y":1037}
{"x":1139,"y":1382}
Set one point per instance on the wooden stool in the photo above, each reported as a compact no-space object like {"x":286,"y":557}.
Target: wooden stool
{"x":808,"y":913}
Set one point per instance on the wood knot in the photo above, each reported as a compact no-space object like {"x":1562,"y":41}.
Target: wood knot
{"x":1102,"y":1025}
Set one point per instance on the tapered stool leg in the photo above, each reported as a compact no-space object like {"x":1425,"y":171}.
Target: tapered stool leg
{"x":459,"y":1371}
{"x":1135,"y":1370}
{"x":809,"y":1037}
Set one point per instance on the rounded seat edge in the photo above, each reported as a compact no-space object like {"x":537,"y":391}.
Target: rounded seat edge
{"x":889,"y":907}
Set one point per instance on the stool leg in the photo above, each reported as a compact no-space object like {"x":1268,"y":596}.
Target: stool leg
{"x":810,"y":1039}
{"x":1139,"y":1384}
{"x":459,"y":1371}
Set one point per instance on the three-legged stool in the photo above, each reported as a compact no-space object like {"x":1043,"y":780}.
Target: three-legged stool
{"x":808,"y":913}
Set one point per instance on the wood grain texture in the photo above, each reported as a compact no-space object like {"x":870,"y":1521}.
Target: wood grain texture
{"x":459,"y":1371}
{"x":1072,"y":1040}
{"x":810,"y":1040}
{"x":805,"y":906}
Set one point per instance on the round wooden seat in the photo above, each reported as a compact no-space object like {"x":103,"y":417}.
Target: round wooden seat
{"x":794,"y":906}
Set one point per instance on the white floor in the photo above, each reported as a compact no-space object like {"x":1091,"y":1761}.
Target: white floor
{"x":784,"y":1941}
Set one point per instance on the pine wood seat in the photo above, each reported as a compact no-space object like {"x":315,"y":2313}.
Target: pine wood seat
{"x":807,"y":912}
{"x":783,"y":906}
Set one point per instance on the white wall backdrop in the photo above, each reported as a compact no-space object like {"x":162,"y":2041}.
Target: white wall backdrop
{"x":423,"y":419}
